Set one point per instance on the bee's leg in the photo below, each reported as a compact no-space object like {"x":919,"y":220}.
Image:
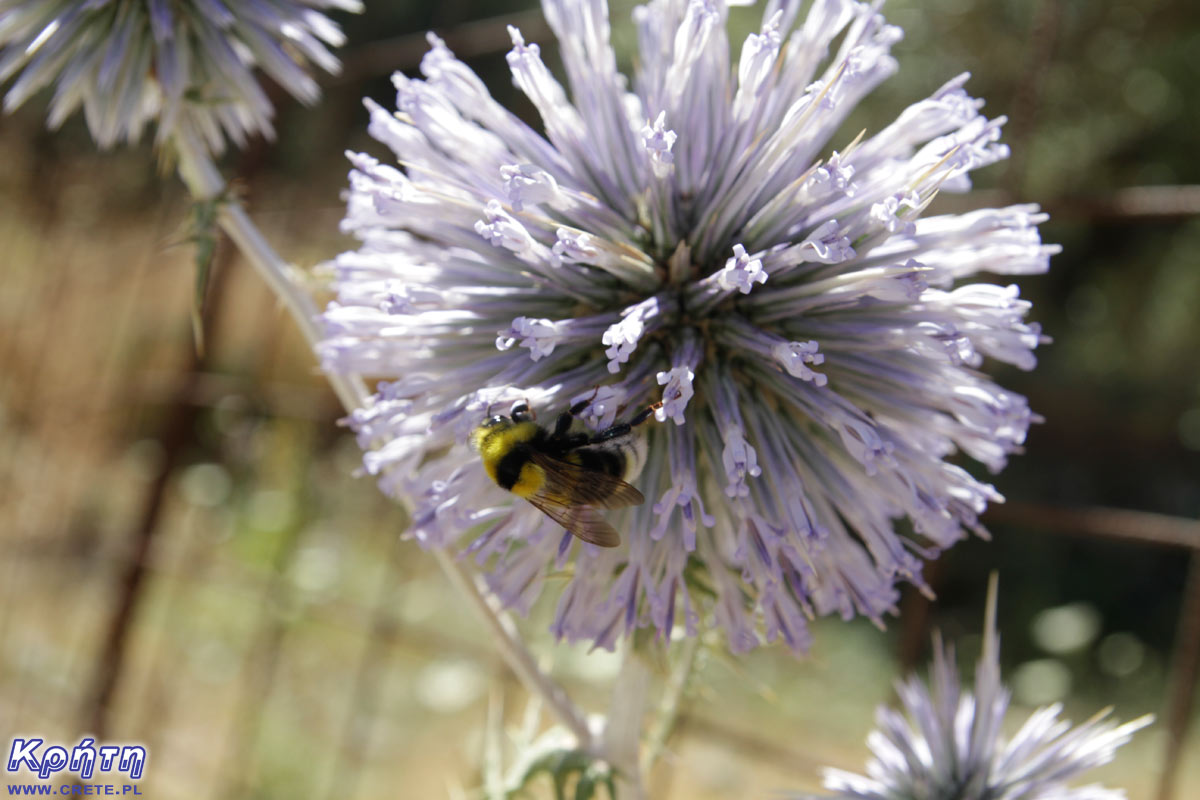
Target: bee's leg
{"x":578,"y":408}
{"x":622,"y":428}
{"x":563,"y":423}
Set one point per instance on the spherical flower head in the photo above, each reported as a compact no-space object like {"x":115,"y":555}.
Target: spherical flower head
{"x":948,"y":744}
{"x":187,"y":65}
{"x":689,"y":236}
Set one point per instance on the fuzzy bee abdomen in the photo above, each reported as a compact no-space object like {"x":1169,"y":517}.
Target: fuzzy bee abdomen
{"x":609,"y":462}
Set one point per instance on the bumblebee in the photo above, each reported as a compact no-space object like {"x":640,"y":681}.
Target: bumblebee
{"x":567,"y":472}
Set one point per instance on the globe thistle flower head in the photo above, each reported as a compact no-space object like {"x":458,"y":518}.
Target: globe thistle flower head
{"x":948,"y":744}
{"x":690,"y":236}
{"x":187,"y":65}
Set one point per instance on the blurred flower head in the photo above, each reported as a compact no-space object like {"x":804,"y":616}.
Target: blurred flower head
{"x":948,"y":744}
{"x":689,"y":235}
{"x":186,"y":64}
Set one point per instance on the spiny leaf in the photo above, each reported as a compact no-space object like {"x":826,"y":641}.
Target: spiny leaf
{"x":203,"y":236}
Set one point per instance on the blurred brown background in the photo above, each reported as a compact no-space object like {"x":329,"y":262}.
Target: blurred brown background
{"x":187,"y":561}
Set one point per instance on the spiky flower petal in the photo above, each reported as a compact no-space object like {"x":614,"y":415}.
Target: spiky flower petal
{"x":689,"y":236}
{"x":948,"y":744}
{"x":187,"y":65}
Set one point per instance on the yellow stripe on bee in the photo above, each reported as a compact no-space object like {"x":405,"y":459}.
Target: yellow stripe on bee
{"x":497,"y":441}
{"x":531,"y":479}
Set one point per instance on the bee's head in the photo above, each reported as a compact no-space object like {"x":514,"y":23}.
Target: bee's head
{"x":520,"y":412}
{"x":496,"y":423}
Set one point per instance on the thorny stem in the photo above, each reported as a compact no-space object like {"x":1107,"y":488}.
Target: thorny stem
{"x":205,"y":183}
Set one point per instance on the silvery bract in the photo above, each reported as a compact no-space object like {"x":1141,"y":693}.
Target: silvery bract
{"x":689,"y":235}
{"x":187,"y":64}
{"x":949,"y":745}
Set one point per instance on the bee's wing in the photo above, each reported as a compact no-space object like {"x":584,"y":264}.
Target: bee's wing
{"x":569,"y":485}
{"x":581,"y":521}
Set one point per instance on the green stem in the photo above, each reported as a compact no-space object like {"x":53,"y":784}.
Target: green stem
{"x":205,"y":183}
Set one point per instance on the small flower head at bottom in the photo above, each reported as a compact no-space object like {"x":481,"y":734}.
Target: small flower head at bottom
{"x":948,"y":745}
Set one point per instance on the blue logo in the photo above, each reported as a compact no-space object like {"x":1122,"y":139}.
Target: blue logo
{"x":84,"y":760}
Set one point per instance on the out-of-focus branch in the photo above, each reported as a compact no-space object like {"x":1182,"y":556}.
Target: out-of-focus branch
{"x":286,"y":399}
{"x":1133,"y":204}
{"x":1111,"y":523}
{"x":467,"y":40}
{"x":173,"y":437}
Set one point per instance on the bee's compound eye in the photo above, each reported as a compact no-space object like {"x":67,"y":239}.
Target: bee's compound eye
{"x":493,"y":420}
